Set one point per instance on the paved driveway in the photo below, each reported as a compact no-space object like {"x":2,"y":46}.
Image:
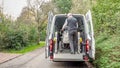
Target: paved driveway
{"x":36,"y":59}
{"x":4,"y":57}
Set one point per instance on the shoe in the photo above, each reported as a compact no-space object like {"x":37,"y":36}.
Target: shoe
{"x":72,"y":52}
{"x":76,"y":52}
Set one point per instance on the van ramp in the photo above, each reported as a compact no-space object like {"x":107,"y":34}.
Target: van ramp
{"x":68,"y":57}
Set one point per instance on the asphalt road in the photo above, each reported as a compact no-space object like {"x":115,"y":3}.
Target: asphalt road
{"x":36,"y":59}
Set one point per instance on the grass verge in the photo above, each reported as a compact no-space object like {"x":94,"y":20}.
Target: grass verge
{"x":107,"y":51}
{"x":26,"y":49}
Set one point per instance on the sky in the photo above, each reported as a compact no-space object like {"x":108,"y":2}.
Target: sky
{"x":13,"y":7}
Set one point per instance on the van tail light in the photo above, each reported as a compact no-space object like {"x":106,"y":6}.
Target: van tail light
{"x":51,"y":45}
{"x":87,"y":46}
{"x":51,"y":49}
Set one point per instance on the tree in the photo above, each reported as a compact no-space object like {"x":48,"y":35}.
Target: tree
{"x":27,"y":16}
{"x":80,"y":6}
{"x":36,"y":12}
{"x":64,"y":6}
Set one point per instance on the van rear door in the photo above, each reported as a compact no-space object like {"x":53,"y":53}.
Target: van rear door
{"x":91,"y":34}
{"x":47,"y":51}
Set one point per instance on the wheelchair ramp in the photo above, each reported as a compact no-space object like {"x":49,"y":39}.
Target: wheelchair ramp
{"x":68,"y":57}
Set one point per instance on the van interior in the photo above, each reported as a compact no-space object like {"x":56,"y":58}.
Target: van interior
{"x":59,"y":22}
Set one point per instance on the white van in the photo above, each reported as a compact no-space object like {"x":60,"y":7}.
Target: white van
{"x":86,"y":42}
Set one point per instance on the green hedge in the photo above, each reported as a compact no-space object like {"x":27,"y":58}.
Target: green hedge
{"x":106,"y":16}
{"x":17,"y":35}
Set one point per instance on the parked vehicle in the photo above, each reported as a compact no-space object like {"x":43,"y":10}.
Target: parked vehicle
{"x":86,"y":42}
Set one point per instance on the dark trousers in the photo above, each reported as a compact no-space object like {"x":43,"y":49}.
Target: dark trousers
{"x":73,"y":39}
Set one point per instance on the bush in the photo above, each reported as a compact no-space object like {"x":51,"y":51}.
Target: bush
{"x":43,"y":35}
{"x":106,"y":26}
{"x":106,"y":16}
{"x":17,"y":35}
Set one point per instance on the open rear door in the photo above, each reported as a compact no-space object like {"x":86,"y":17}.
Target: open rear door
{"x":50,"y":17}
{"x":91,"y":34}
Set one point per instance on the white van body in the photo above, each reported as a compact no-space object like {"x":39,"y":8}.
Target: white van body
{"x":86,"y":42}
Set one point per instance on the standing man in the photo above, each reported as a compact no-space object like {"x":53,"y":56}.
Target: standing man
{"x":72,"y":24}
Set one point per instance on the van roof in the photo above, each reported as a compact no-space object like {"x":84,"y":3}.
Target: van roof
{"x":72,"y":14}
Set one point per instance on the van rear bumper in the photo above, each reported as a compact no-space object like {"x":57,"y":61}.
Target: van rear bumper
{"x":68,"y":57}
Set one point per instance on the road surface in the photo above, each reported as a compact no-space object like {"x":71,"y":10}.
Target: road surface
{"x":36,"y":59}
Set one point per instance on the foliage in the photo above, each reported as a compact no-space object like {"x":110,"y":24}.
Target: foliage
{"x":80,"y":6}
{"x":107,"y":51}
{"x":28,"y":28}
{"x":17,"y":35}
{"x":27,"y":15}
{"x":37,"y":16}
{"x":106,"y":16}
{"x":106,"y":26}
{"x":64,"y":6}
{"x":43,"y":33}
